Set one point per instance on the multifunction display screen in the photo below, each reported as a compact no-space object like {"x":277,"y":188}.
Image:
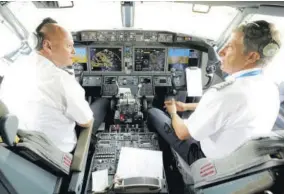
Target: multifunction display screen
{"x":150,"y":59}
{"x":181,"y":58}
{"x":80,"y":57}
{"x":106,"y":59}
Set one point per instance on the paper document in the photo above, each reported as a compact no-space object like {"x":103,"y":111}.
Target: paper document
{"x":99,"y":180}
{"x":194,"y":81}
{"x":135,"y":162}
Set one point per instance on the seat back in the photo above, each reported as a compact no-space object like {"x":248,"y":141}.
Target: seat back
{"x":279,"y":123}
{"x":37,"y":148}
{"x":26,"y":177}
{"x":20,"y":174}
{"x":252,"y":156}
{"x":34,"y":146}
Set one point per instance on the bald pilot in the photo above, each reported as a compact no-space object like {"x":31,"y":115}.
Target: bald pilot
{"x":44,"y":96}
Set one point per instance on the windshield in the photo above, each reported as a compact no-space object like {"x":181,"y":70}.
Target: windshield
{"x":177,"y":17}
{"x":7,"y":38}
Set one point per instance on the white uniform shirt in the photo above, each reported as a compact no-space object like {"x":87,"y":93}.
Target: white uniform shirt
{"x":45,"y":98}
{"x":227,"y":118}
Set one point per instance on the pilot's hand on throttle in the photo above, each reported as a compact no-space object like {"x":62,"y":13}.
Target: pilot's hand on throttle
{"x":170,"y":106}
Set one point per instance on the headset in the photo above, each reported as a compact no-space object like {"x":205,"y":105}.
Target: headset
{"x":38,"y":36}
{"x":257,"y":30}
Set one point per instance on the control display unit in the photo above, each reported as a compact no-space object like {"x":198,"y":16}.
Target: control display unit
{"x":80,"y":57}
{"x":149,"y":59}
{"x":106,"y":59}
{"x":181,"y":58}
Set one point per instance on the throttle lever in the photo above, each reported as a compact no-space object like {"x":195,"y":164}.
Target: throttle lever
{"x":139,"y":90}
{"x":173,"y":76}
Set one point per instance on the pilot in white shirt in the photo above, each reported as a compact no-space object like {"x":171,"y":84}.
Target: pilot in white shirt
{"x":243,"y":107}
{"x":45,"y":97}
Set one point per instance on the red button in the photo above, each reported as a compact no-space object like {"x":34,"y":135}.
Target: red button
{"x":122,"y":117}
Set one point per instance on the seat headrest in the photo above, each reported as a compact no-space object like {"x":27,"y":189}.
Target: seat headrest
{"x":8,"y":125}
{"x":8,"y":129}
{"x":3,"y":109}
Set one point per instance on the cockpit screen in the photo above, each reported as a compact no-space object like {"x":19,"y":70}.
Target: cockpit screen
{"x":149,"y":59}
{"x":180,"y":58}
{"x":106,"y":59}
{"x":80,"y":57}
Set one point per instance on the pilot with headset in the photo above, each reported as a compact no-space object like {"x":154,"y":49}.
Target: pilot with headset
{"x":230,"y":113}
{"x":44,"y":96}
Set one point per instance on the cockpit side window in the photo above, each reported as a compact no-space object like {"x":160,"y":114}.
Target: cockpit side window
{"x":9,"y":42}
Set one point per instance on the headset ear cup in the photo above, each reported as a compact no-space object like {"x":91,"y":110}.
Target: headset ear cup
{"x":260,"y":50}
{"x":40,"y":41}
{"x":33,"y":40}
{"x":270,"y":49}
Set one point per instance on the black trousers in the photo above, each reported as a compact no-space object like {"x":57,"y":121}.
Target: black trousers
{"x":100,"y":108}
{"x":160,"y":122}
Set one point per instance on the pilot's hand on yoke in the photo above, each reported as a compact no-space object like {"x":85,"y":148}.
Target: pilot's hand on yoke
{"x":170,"y":106}
{"x":180,"y":106}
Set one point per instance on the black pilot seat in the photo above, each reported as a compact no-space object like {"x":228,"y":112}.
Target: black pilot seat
{"x":256,"y":166}
{"x":34,"y":165}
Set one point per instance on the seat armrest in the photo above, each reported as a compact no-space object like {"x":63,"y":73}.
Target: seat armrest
{"x":81,"y":149}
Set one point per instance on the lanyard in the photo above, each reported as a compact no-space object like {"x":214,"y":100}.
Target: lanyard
{"x":248,"y":74}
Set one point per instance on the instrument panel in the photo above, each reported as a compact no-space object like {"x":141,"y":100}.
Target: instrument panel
{"x":136,"y":59}
{"x":112,"y":59}
{"x":148,"y":83}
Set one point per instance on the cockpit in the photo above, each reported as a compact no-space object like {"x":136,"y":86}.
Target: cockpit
{"x":136,"y":55}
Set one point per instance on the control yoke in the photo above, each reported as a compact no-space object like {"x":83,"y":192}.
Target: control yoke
{"x":213,"y":62}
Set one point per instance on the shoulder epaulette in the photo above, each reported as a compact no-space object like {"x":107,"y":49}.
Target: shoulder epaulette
{"x":222,"y":85}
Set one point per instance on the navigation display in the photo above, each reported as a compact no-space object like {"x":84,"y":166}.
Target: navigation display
{"x":80,"y":57}
{"x":181,"y":58}
{"x":149,"y":59}
{"x":106,"y":59}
